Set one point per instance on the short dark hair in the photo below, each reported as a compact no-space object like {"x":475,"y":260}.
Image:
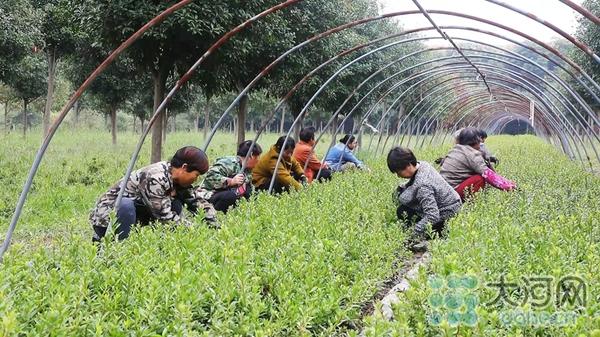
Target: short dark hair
{"x":469,"y":136}
{"x":244,"y":147}
{"x":482,"y":134}
{"x":307,"y":134}
{"x":289,"y":144}
{"x":195,"y":159}
{"x":399,"y":158}
{"x":348,"y":139}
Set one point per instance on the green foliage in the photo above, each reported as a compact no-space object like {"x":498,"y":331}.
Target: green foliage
{"x":294,"y":265}
{"x":19,"y":33}
{"x":28,"y":79}
{"x":549,"y":227}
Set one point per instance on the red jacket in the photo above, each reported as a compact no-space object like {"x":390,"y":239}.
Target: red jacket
{"x":302,"y":154}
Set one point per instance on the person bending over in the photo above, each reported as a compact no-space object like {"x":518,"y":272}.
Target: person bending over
{"x":152,"y":194}
{"x":304,"y":153}
{"x":341,"y":158}
{"x":464,"y":167}
{"x":228,"y":179}
{"x":289,"y":175}
{"x":425,"y":200}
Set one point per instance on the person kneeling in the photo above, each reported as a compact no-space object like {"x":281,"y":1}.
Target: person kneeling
{"x":341,"y":158}
{"x":465,"y":169}
{"x":289,"y":173}
{"x":152,"y":194}
{"x":426,"y":199}
{"x":226,"y":182}
{"x":306,"y":157}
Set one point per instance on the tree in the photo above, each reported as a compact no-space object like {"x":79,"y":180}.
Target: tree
{"x":7,"y":97}
{"x":171,"y":46}
{"x":60,"y":34}
{"x":113,"y":88}
{"x":18,"y":33}
{"x":28,"y":80}
{"x":588,"y":33}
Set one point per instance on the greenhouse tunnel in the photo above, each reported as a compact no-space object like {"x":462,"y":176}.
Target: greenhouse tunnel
{"x":467,"y":82}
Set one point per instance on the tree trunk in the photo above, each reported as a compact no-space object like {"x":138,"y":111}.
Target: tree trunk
{"x":25,"y":118}
{"x":282,"y":125}
{"x":6,"y":103}
{"x":157,"y":137}
{"x":241,"y":119}
{"x":113,"y":123}
{"x":297,"y":128}
{"x":174,"y":123}
{"x":142,"y":123}
{"x":134,"y":125}
{"x":197,"y":123}
{"x":51,"y":56}
{"x":77,"y":112}
{"x":165,"y":126}
{"x":206,"y":118}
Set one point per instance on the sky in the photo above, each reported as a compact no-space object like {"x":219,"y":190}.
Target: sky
{"x":550,"y":10}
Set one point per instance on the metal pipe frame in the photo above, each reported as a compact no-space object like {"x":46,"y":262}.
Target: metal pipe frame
{"x":221,"y":41}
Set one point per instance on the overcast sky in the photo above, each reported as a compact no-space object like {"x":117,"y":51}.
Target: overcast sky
{"x":550,"y":10}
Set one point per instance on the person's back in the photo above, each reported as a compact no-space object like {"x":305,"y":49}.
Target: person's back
{"x":427,"y":177}
{"x":462,"y":162}
{"x":341,"y":158}
{"x":289,"y":172}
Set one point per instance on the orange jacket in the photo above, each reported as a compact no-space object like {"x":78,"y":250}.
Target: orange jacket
{"x":303,"y":153}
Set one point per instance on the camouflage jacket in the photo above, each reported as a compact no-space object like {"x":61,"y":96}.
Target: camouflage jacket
{"x":216,"y":178}
{"x":152,"y":186}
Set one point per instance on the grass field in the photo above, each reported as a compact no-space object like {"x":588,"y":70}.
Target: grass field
{"x":300,"y":264}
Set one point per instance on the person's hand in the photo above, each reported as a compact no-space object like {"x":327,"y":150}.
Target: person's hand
{"x":237,"y":180}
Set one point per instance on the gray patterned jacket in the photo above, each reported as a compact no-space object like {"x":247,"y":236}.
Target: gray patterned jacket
{"x":151,"y":185}
{"x":430,"y":196}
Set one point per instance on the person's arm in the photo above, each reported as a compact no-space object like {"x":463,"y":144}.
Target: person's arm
{"x":498,"y":181}
{"x":314,"y":163}
{"x":284,"y":177}
{"x":348,"y":156}
{"x":158,"y":200}
{"x":431,"y":213}
{"x":217,"y":177}
{"x":477,"y":163}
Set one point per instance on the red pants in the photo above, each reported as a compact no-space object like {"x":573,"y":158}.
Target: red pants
{"x":472,"y":185}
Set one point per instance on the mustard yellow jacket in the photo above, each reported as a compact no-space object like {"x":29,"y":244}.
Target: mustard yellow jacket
{"x":262,"y":173}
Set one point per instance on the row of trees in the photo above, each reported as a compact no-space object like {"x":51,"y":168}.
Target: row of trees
{"x":48,"y":47}
{"x":76,"y":35}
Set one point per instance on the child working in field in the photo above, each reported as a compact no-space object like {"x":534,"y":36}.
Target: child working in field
{"x":426,"y":199}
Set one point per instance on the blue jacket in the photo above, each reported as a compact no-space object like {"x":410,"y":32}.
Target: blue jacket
{"x":343,"y":152}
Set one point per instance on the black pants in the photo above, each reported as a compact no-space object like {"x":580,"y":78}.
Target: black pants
{"x":410,"y":218}
{"x":325,"y":175}
{"x":223,"y":200}
{"x":133,"y":212}
{"x":277,"y":187}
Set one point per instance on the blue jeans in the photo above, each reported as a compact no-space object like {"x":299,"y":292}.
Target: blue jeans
{"x":131,"y":212}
